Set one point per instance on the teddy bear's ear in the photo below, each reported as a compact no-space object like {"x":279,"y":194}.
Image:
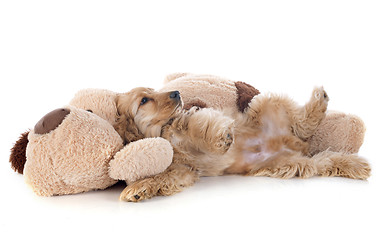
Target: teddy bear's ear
{"x":18,"y":153}
{"x":127,"y":129}
{"x":245,"y":93}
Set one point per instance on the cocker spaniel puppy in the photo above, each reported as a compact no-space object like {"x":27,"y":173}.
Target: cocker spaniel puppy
{"x":268,"y":139}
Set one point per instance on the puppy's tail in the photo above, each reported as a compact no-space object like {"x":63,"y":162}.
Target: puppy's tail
{"x":18,"y":156}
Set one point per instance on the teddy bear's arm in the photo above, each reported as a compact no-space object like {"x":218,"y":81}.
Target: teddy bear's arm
{"x":143,"y":158}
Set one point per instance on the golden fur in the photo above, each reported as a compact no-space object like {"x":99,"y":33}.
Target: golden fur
{"x":268,"y":139}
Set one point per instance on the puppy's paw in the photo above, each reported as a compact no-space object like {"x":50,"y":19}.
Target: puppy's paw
{"x":181,"y":123}
{"x":192,"y":110}
{"x":319,"y":95}
{"x":219,"y":132}
{"x":358,"y":168}
{"x":137,"y":192}
{"x":223,"y":140}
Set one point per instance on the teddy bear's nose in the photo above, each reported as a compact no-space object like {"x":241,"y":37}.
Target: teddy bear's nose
{"x":51,"y":121}
{"x":175,"y":95}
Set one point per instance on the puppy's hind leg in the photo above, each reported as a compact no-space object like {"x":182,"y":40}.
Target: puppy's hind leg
{"x":341,"y":164}
{"x":286,"y":166}
{"x":307,"y":119}
{"x":325,"y":164}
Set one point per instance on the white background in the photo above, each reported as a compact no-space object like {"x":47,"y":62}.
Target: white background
{"x":51,"y":49}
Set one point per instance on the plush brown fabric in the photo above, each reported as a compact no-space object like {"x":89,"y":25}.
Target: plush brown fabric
{"x":18,"y":157}
{"x":51,"y":121}
{"x":245,"y":92}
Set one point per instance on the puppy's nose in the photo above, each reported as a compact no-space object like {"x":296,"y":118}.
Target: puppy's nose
{"x":175,"y":95}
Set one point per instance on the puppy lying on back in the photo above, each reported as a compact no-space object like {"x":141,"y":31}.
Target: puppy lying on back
{"x":269,"y":140}
{"x":199,"y":136}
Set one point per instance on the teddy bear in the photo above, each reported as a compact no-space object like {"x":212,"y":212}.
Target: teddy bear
{"x":58,"y":157}
{"x":338,"y":132}
{"x":76,"y":149}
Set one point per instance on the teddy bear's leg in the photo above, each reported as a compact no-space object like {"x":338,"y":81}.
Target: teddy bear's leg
{"x":338,"y":132}
{"x":173,"y":180}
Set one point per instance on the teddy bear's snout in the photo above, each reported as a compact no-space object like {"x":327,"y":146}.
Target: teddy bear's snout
{"x":51,"y":121}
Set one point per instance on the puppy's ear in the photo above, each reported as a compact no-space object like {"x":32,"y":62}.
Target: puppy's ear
{"x":125,"y":125}
{"x":127,"y":129}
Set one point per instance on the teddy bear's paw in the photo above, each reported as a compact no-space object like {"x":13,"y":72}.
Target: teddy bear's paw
{"x":138,"y":191}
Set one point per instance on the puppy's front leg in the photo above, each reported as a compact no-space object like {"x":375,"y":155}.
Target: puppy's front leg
{"x":207,"y":129}
{"x":173,"y":180}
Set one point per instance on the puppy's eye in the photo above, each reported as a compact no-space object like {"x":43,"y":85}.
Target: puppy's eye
{"x":144,"y":100}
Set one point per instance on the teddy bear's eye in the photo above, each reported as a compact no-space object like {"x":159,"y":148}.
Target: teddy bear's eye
{"x":144,"y":100}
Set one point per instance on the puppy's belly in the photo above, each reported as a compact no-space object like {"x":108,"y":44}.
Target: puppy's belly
{"x":213,"y":165}
{"x":207,"y":164}
{"x":254,"y":153}
{"x":257,"y":157}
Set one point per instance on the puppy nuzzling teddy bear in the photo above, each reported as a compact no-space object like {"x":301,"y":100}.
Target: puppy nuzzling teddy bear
{"x":76,"y":149}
